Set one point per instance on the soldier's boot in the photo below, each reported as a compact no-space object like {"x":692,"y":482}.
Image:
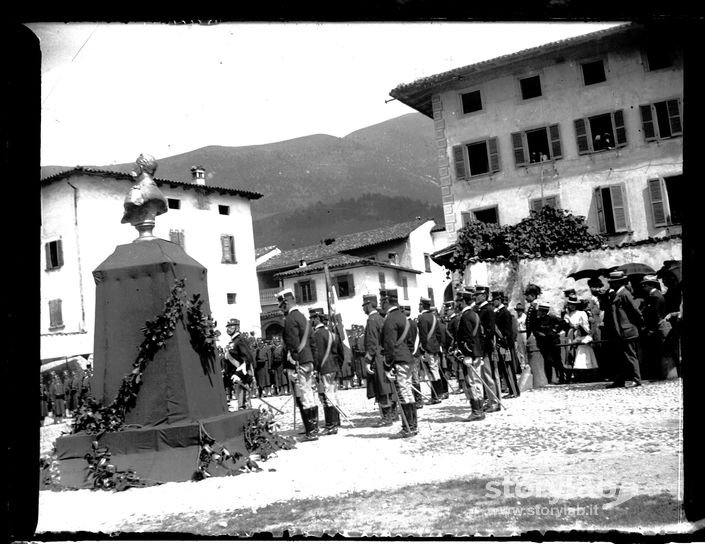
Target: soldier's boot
{"x":329,"y":415}
{"x":311,"y":423}
{"x":418,"y":399}
{"x":444,"y":387}
{"x":385,"y":420}
{"x":413,"y":423}
{"x":302,"y":411}
{"x":478,"y":412}
{"x":435,"y":399}
{"x":335,"y":419}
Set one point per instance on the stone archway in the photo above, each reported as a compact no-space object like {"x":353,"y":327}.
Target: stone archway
{"x":272,"y":330}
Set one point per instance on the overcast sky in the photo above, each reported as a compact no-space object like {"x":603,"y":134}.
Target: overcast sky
{"x":113,"y":91}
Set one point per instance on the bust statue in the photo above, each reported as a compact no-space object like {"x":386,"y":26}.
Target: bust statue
{"x":144,"y":201}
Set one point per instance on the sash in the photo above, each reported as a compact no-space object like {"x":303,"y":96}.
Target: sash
{"x":303,"y":340}
{"x":416,"y":343}
{"x":433,"y":328}
{"x":401,"y":339}
{"x":328,"y":347}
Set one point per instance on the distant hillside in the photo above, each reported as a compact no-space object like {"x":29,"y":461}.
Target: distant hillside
{"x":396,"y":158}
{"x":314,"y":223}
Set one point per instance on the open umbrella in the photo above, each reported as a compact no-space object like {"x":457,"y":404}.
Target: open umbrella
{"x":636,"y":269}
{"x":590,"y":269}
{"x":674,"y":267}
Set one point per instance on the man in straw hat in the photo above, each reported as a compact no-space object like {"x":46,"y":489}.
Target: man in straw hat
{"x":398,"y":362}
{"x":299,"y":363}
{"x":622,"y":323}
{"x":378,"y":386}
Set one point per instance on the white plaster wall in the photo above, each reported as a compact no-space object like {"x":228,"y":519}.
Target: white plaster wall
{"x":100,"y":208}
{"x":564,"y":99}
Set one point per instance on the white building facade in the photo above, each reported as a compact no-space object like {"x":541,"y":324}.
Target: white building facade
{"x":591,"y":124}
{"x":80,"y":227}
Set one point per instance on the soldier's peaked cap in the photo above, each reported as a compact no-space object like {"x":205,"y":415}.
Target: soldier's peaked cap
{"x":232,"y":322}
{"x":544,"y":306}
{"x":369,"y":298}
{"x":283,"y":292}
{"x":390,"y":294}
{"x":497,"y":294}
{"x":481,"y":290}
{"x":315,"y":311}
{"x":425,"y":301}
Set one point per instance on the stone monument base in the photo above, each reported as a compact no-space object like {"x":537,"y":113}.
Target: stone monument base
{"x":159,"y":453}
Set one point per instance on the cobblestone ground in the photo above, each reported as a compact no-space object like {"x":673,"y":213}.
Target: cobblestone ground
{"x":617,"y":451}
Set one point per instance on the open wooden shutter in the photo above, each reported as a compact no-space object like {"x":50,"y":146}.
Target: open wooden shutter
{"x":601,"y":224}
{"x":536,"y":205}
{"x":59,"y":254}
{"x":619,"y":207}
{"x":554,"y":133}
{"x":47,"y":254}
{"x":465,"y":218}
{"x":351,"y":285}
{"x":519,"y":153}
{"x":459,"y":160}
{"x":314,"y":298}
{"x":658,"y":206}
{"x":494,"y":154}
{"x":551,"y":201}
{"x":582,"y":136}
{"x":620,"y":131}
{"x":647,"y":123}
{"x":297,"y":293}
{"x":674,"y":117}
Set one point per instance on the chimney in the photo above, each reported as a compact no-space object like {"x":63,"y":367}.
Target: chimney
{"x":198,"y":175}
{"x":302,"y":263}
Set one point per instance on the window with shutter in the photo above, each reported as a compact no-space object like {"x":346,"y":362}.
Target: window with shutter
{"x":465,"y":218}
{"x":430,"y":295}
{"x":56,"y":320}
{"x":298,"y":294}
{"x":582,"y":136}
{"x":312,"y":287}
{"x":658,"y":207}
{"x":459,"y":161}
{"x":519,"y":152}
{"x":620,"y":131}
{"x":556,"y":152}
{"x":177,"y":236}
{"x":647,"y":123}
{"x":351,"y":285}
{"x":227,"y":243}
{"x":612,"y":213}
{"x":661,"y":120}
{"x":427,"y":262}
{"x":674,"y":117}
{"x":382,"y":280}
{"x":405,"y":288}
{"x":537,"y":204}
{"x":599,"y":205}
{"x":54,"y":254}
{"x":619,"y":208}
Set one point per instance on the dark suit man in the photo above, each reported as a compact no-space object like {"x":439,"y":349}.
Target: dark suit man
{"x":299,"y":363}
{"x":622,"y":323}
{"x":431,"y":339}
{"x":328,"y":355}
{"x":660,"y":356}
{"x":470,"y":345}
{"x":398,"y":361}
{"x":506,"y":338}
{"x":487,"y":333}
{"x":241,"y":362}
{"x":378,"y":386}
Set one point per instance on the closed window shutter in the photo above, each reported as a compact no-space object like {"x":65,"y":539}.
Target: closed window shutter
{"x":297,"y":293}
{"x":647,"y":123}
{"x":674,"y":117}
{"x":551,"y":201}
{"x":459,"y":160}
{"x":620,"y":130}
{"x":225,"y":244}
{"x":59,"y":253}
{"x":382,"y":280}
{"x":55,"y":318}
{"x":555,"y":134}
{"x":518,"y":144}
{"x":465,"y":218}
{"x":536,"y":205}
{"x":351,"y":285}
{"x":658,"y":206}
{"x":601,"y":224}
{"x":494,"y":155}
{"x":619,"y":207}
{"x":47,"y":253}
{"x":581,"y":136}
{"x":313,"y":290}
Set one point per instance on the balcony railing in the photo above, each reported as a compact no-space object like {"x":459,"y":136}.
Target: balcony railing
{"x":268,"y":296}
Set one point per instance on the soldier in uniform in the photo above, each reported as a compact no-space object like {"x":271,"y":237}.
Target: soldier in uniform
{"x":506,"y":338}
{"x":469,"y":344}
{"x":453,"y":317}
{"x":378,"y":386}
{"x":263,"y":360}
{"x":278,"y":356}
{"x":431,"y":339}
{"x":43,"y":402}
{"x":547,"y":331}
{"x":443,"y":365}
{"x":398,"y":361}
{"x":56,"y":393}
{"x":412,"y":340}
{"x":299,"y":363}
{"x":239,"y":357}
{"x":487,"y":334}
{"x":328,"y":355}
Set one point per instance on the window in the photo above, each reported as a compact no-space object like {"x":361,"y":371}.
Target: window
{"x":54,"y":254}
{"x":427,"y":262}
{"x":537,"y":204}
{"x":382,"y":280}
{"x":611,"y":209}
{"x":345,"y":286}
{"x":471,"y":101}
{"x":430,"y":295}
{"x":666,"y":195}
{"x":600,"y":132}
{"x":56,"y":321}
{"x":487,"y":215}
{"x":305,"y":291}
{"x":223,"y":210}
{"x":227,"y":243}
{"x":661,"y":120}
{"x":537,"y":145}
{"x":405,"y":287}
{"x":174,"y":203}
{"x":530,"y":87}
{"x":465,"y":218}
{"x":593,"y":72}
{"x":392,"y":258}
{"x":232,"y":298}
{"x":476,"y":159}
{"x":657,"y":58}
{"x":177,"y":236}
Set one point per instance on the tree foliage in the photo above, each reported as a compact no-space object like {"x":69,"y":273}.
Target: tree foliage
{"x":544,"y":233}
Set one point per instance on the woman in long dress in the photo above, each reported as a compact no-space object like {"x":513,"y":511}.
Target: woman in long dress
{"x":583,"y":356}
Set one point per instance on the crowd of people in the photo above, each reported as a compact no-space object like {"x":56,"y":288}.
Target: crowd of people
{"x":62,"y":393}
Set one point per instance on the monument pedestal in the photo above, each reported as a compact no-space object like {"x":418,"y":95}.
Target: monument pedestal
{"x":180,"y":390}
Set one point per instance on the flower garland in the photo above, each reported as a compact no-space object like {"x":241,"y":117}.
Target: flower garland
{"x":106,"y":475}
{"x":203,"y":332}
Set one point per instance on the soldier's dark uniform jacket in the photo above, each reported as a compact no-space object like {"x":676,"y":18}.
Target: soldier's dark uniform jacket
{"x":431,"y":343}
{"x":319,"y":345}
{"x":469,"y":343}
{"x":295,"y":330}
{"x":240,"y":350}
{"x":452,"y":331}
{"x":394,"y":328}
{"x":377,"y":383}
{"x":487,"y":320}
{"x":412,"y":334}
{"x":503,"y":320}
